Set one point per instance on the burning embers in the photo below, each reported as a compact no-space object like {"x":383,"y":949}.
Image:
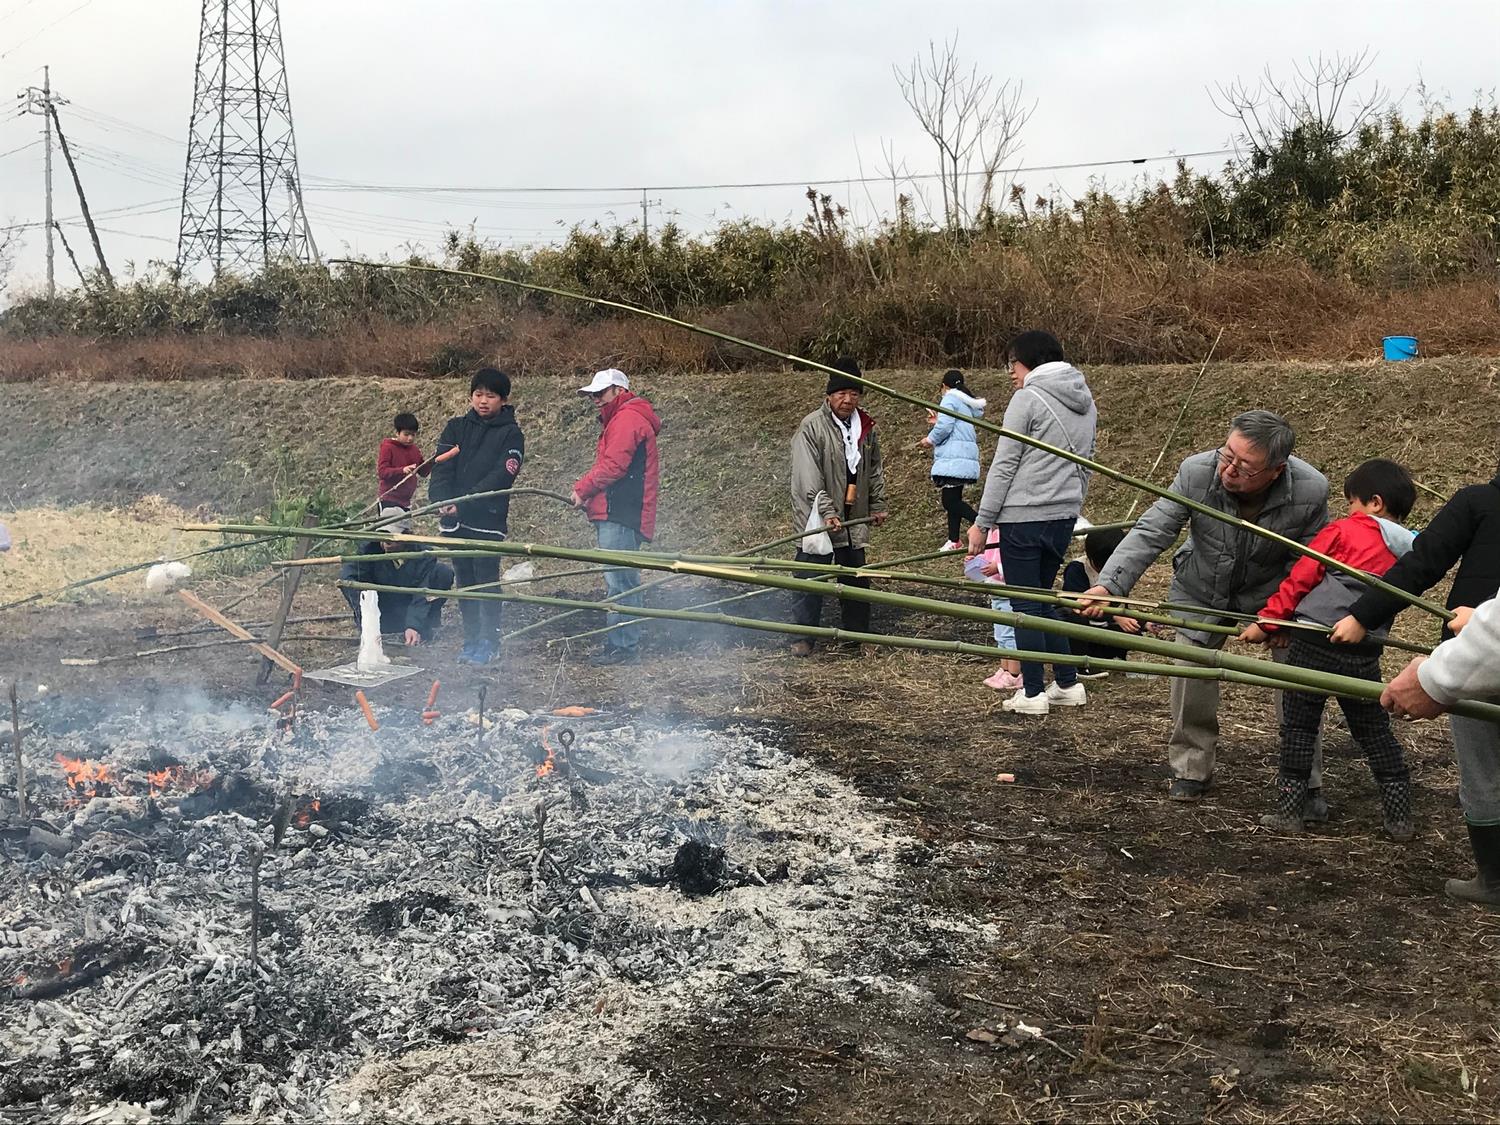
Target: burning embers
{"x":307,"y":813}
{"x":87,"y":779}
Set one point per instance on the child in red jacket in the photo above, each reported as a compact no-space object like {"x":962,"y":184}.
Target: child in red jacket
{"x":1378,"y":493}
{"x":400,"y":464}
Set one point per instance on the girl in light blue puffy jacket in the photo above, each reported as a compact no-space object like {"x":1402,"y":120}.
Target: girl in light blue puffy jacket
{"x":955,"y":453}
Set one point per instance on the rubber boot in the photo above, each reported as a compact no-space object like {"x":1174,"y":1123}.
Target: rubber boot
{"x":1485,"y":886}
{"x":1315,"y":810}
{"x":1291,"y":796}
{"x":1395,"y":807}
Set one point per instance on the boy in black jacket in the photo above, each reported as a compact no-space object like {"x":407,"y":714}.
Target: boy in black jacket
{"x":491,"y":450}
{"x":1466,"y":530}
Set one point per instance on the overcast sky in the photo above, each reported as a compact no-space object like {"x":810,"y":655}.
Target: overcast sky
{"x":592,"y":94}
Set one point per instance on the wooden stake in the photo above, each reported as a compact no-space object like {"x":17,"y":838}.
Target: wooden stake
{"x":15,"y":727}
{"x":208,"y":611}
{"x":290,"y":581}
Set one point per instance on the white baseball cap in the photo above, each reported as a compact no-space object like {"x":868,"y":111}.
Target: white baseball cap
{"x":603,"y":380}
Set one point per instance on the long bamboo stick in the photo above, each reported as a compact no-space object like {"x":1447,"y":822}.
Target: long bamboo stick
{"x":981,"y":423}
{"x":131,"y":569}
{"x":1026,"y":593}
{"x":1181,"y":414}
{"x":1109,"y":638}
{"x":1206,"y":665}
{"x":881,"y":571}
{"x":615,"y":598}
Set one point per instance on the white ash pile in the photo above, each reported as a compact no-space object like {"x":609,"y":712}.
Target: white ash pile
{"x":415,"y":887}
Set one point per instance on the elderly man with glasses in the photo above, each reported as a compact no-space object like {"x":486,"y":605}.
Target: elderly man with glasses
{"x":1222,"y":567}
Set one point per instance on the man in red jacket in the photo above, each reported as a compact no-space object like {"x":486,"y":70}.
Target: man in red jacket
{"x":618,"y":494}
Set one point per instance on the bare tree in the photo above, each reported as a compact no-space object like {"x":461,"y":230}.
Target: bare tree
{"x":1319,"y":99}
{"x":974,"y":123}
{"x":10,"y":245}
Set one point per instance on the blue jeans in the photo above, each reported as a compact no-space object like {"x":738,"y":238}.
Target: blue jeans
{"x":619,"y":537}
{"x":1031,"y":554}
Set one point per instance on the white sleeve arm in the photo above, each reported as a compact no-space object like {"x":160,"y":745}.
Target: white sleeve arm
{"x":1468,"y":666}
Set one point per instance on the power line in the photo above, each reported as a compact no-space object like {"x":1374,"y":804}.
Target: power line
{"x":434,"y":189}
{"x":108,"y":121}
{"x":23,"y":148}
{"x":22,"y":6}
{"x":42,"y":30}
{"x":134,"y":210}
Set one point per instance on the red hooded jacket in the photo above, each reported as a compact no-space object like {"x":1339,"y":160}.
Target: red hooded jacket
{"x":621,"y":487}
{"x":1356,"y":540}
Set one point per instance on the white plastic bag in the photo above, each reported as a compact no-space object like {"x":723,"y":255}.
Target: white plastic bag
{"x":820,"y":543}
{"x":4,"y":538}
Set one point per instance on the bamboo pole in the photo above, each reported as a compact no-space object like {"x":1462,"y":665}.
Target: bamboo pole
{"x":1026,"y":593}
{"x":880,"y":571}
{"x":1118,"y":525}
{"x":614,"y":599}
{"x":1181,"y":414}
{"x":116,"y":658}
{"x":1205,"y":663}
{"x":1150,"y":645}
{"x":981,"y":423}
{"x":132,"y":569}
{"x":436,"y":505}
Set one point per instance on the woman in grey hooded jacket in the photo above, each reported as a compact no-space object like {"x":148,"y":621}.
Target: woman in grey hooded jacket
{"x":1034,"y":498}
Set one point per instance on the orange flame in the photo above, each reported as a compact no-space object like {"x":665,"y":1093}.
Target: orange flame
{"x":551,"y":763}
{"x":177,"y":777}
{"x":304,"y":818}
{"x":88,"y":779}
{"x":85,"y":777}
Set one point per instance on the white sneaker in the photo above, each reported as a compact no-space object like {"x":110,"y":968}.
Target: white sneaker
{"x":951,"y":545}
{"x":1023,"y":704}
{"x":1075,"y":696}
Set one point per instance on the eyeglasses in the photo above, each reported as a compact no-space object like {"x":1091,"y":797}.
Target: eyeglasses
{"x":1240,"y":468}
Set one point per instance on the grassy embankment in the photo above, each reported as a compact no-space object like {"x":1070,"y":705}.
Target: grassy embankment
{"x":234,"y":446}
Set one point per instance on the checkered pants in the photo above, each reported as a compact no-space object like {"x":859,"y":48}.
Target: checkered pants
{"x":1302,"y":712}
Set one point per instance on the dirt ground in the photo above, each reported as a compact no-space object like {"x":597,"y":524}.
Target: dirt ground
{"x":1179,"y":961}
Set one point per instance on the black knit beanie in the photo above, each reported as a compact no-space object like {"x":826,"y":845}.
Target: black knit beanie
{"x":843,"y":382}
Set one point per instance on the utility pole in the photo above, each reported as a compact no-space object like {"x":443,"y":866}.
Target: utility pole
{"x":307,"y":246}
{"x":83,"y":281}
{"x":40,"y":101}
{"x":645,"y":218}
{"x":47,"y":172}
{"x":109,"y":280}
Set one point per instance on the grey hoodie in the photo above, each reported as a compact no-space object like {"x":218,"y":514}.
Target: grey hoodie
{"x":1025,"y":484}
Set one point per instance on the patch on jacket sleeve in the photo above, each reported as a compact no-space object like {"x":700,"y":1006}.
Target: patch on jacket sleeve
{"x":513,"y":462}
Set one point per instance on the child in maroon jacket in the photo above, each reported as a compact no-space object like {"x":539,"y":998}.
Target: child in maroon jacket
{"x":400,"y":464}
{"x":1379,"y":493}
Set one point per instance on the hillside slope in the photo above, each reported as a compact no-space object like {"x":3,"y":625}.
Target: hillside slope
{"x":233,"y":445}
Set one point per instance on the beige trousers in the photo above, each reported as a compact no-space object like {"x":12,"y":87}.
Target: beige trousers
{"x":1193,"y":745}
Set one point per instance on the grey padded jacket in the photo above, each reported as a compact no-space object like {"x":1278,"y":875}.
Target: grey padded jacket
{"x":1221,"y":566}
{"x":820,"y":473}
{"x":1026,"y":484}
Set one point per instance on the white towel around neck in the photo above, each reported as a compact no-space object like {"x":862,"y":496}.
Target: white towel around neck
{"x":852,"y":430}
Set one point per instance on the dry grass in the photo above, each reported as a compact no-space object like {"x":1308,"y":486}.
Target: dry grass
{"x":1107,"y":308}
{"x":55,"y":546}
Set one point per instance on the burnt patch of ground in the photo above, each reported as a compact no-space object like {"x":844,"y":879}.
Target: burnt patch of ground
{"x":1177,"y":961}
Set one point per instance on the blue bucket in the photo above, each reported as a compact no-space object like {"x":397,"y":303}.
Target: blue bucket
{"x":1400,"y":347}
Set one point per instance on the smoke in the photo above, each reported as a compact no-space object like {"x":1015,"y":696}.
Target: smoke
{"x":674,"y":756}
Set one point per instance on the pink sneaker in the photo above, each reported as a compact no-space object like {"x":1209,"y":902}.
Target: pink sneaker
{"x":1003,"y":681}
